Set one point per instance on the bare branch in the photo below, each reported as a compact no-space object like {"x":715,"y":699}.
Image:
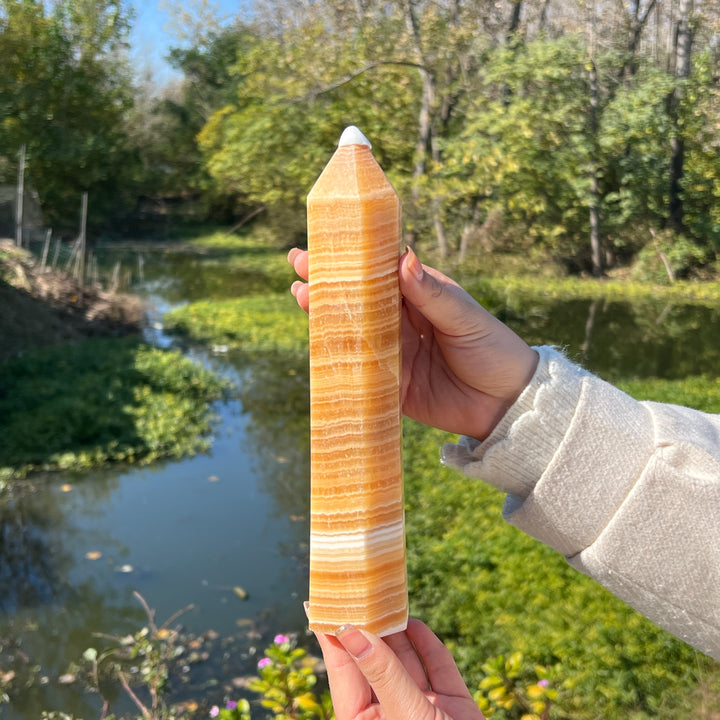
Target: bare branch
{"x":349,"y":78}
{"x":126,"y":685}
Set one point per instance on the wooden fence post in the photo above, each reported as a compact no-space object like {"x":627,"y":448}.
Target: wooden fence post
{"x":20,"y":197}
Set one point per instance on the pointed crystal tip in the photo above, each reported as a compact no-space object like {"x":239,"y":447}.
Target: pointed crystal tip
{"x":353,"y":136}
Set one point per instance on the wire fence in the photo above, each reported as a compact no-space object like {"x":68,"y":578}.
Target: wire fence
{"x":80,"y":262}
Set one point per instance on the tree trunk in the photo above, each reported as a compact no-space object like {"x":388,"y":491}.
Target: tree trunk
{"x":512,"y":40}
{"x":514,"y":19}
{"x":637,"y":23}
{"x":595,"y":237}
{"x":425,"y":141}
{"x":543,"y":21}
{"x":596,"y":253}
{"x":682,"y":63}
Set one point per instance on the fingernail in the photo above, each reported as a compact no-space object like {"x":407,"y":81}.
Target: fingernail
{"x":414,"y":265}
{"x":295,"y":287}
{"x":306,"y":607}
{"x":291,"y":255}
{"x":353,"y":641}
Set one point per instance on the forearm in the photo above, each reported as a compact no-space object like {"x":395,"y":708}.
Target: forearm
{"x":629,"y":492}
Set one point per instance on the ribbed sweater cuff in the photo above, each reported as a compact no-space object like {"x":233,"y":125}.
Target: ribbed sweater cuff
{"x":516,"y":453}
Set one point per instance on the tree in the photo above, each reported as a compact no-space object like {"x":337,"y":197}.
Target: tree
{"x":65,"y":90}
{"x":524,"y":149}
{"x":681,"y":60}
{"x":165,"y":123}
{"x":300,"y":85}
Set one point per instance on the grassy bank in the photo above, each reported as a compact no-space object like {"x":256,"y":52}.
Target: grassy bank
{"x":77,"y":387}
{"x":99,"y":401}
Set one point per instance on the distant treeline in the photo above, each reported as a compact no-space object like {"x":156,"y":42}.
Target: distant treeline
{"x":585,"y":129}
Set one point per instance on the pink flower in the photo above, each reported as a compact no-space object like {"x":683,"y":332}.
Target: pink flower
{"x":280,"y":639}
{"x":231,"y":705}
{"x":264,"y":663}
{"x":543,"y":683}
{"x":214,"y":711}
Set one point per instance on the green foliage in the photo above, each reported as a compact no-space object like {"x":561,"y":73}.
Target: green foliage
{"x":286,"y":683}
{"x":666,"y":258}
{"x":102,"y":401}
{"x":525,"y":146}
{"x":272,"y":141}
{"x":527,"y":287}
{"x":700,"y":392}
{"x":144,"y":663}
{"x":491,"y":137}
{"x":164,"y":128}
{"x":233,"y":710}
{"x":701,"y":179}
{"x":513,"y":690}
{"x":261,"y":324}
{"x":64,"y":93}
{"x":255,"y":253}
{"x":635,"y":166}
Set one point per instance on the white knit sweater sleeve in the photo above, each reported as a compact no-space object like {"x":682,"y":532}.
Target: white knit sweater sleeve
{"x":628,"y":491}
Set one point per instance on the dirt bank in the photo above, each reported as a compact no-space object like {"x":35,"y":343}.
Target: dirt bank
{"x":47,"y":308}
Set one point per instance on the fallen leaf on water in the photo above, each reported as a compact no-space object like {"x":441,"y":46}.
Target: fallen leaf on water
{"x":214,"y":478}
{"x":66,"y":679}
{"x":124,"y":569}
{"x":66,"y":487}
{"x":93,"y":555}
{"x":240,"y":592}
{"x":188,"y":705}
{"x":242,"y":682}
{"x":297,"y":518}
{"x":163,"y":634}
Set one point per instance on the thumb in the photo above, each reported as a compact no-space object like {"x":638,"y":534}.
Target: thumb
{"x":439,"y":299}
{"x":398,"y":694}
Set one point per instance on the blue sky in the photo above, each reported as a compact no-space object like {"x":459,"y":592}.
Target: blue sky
{"x":152,"y":33}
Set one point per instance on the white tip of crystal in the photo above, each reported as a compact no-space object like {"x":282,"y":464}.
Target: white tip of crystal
{"x":353,"y":136}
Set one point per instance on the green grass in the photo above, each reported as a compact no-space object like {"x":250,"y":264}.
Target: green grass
{"x":572,"y":288}
{"x":99,"y":401}
{"x":255,"y":324}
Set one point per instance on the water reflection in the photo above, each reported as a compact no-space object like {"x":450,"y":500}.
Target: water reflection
{"x":621,"y":339}
{"x":276,"y":395}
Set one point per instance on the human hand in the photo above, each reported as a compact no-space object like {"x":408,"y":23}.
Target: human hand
{"x":410,"y":675}
{"x":462,"y":367}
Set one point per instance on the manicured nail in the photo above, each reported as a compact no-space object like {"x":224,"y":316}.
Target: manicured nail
{"x":295,"y":287}
{"x":292,"y":255}
{"x":414,"y":265}
{"x":353,"y":641}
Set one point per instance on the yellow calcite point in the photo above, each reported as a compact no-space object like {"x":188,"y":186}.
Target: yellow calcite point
{"x":357,"y":530}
